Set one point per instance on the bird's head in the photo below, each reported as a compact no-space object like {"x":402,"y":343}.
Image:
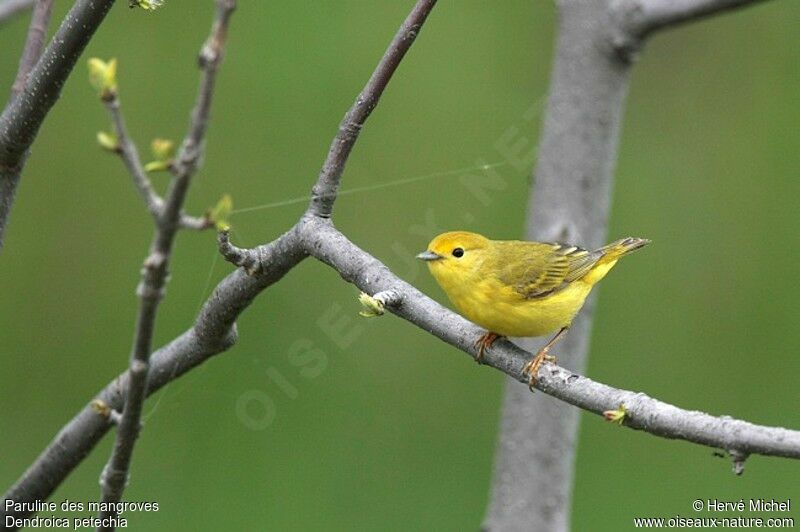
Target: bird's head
{"x":455,"y":255}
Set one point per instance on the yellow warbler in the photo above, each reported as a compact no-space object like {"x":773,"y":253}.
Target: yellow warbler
{"x":515,"y":288}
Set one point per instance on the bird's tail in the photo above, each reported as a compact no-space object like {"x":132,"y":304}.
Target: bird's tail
{"x":615,"y":250}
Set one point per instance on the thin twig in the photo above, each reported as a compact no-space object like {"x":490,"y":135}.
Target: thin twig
{"x":10,"y":8}
{"x":324,"y":191}
{"x":156,"y":266}
{"x":126,"y":148}
{"x":37,"y":31}
{"x":130,"y":156}
{"x":24,"y":114}
{"x":190,"y":155}
{"x":195,"y":223}
{"x":249,"y":260}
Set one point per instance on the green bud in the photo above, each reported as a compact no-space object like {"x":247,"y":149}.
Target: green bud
{"x":101,"y":407}
{"x":103,"y":77}
{"x":157,"y":166}
{"x":221,"y":212}
{"x":108,"y":141}
{"x":372,"y":307}
{"x":616,"y":416}
{"x":162,"y":149}
{"x":147,"y":5}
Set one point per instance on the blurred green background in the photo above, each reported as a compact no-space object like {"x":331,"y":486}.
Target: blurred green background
{"x":397,"y":430}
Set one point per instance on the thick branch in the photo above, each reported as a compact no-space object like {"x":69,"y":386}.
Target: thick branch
{"x":324,"y":192}
{"x":156,"y":266}
{"x":356,"y":266}
{"x":22,"y":118}
{"x":37,"y":31}
{"x":10,"y":8}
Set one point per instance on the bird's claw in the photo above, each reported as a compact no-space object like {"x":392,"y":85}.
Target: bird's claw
{"x":531,"y":369}
{"x":483,"y":343}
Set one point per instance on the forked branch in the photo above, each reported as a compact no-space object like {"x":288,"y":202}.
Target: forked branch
{"x":127,"y":150}
{"x":156,"y":266}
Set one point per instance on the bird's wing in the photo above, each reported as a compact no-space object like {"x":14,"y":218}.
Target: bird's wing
{"x":534,"y":269}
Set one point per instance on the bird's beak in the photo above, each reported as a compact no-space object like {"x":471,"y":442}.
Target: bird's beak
{"x":429,"y":255}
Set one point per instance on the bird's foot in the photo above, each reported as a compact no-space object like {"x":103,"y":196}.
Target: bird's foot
{"x":531,"y":369}
{"x":483,"y":343}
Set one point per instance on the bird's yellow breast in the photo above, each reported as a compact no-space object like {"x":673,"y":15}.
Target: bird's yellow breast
{"x":499,"y":309}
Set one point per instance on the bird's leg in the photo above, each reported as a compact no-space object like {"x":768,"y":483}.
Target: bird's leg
{"x":483,"y":343}
{"x":531,"y":369}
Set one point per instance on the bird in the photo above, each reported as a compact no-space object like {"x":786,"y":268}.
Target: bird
{"x":519,"y":288}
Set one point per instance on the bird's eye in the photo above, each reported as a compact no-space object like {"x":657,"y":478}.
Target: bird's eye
{"x":458,"y":253}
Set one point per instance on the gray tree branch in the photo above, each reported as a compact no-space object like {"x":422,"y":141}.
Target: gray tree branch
{"x":326,"y":243}
{"x":25,"y":113}
{"x":570,"y":202}
{"x":155,"y":272}
{"x":10,"y":8}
